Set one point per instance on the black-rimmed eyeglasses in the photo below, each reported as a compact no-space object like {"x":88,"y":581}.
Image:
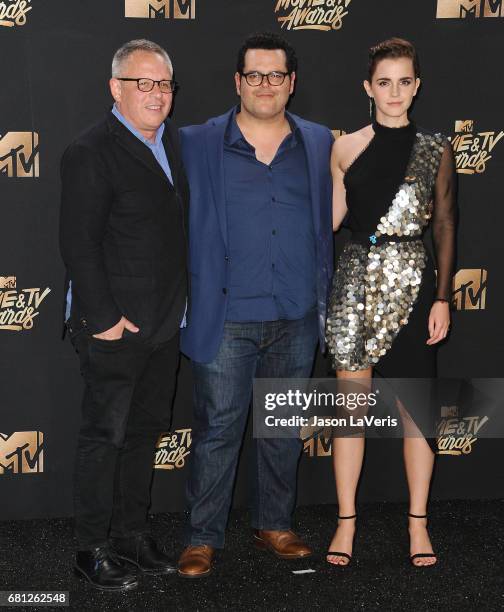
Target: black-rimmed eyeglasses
{"x":275,"y":78}
{"x":146,"y":85}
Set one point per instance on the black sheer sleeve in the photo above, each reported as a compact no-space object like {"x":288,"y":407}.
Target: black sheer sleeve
{"x":444,"y":222}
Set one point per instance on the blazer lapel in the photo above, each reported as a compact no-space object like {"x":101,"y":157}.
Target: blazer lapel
{"x":135,"y":147}
{"x":311,"y":160}
{"x":215,"y":157}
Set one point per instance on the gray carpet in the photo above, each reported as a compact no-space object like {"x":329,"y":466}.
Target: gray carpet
{"x":467,"y":535}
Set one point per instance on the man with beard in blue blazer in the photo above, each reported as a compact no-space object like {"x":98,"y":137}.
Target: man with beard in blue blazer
{"x":261,"y":261}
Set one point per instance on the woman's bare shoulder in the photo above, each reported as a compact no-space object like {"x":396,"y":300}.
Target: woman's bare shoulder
{"x":347,"y":146}
{"x":353,"y":139}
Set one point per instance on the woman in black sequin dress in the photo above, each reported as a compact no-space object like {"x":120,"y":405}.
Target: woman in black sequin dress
{"x":387,"y":309}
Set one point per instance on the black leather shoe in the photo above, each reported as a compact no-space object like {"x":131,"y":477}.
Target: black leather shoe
{"x":103,"y":570}
{"x":142,"y":551}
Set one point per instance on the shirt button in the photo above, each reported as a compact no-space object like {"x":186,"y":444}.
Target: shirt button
{"x":273,"y":199}
{"x":272,"y":265}
{"x":224,"y":290}
{"x":274,"y":232}
{"x":226,"y":257}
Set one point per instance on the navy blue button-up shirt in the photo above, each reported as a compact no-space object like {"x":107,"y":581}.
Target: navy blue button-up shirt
{"x":272,"y":251}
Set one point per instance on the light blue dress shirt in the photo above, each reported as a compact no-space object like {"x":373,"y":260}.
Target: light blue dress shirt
{"x":156,"y":147}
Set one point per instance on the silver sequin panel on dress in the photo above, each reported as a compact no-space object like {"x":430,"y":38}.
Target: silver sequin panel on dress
{"x":375,"y":288}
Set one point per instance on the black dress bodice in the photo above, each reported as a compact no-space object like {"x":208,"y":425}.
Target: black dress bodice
{"x":373,"y":179}
{"x":372,"y":182}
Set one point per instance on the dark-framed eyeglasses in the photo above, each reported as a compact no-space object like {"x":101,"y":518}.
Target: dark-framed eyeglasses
{"x":146,"y":85}
{"x":275,"y":78}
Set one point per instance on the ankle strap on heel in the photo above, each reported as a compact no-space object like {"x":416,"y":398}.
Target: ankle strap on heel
{"x":347,"y":517}
{"x":417,"y":515}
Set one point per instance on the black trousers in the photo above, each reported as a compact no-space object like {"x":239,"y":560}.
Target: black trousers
{"x":127,"y":404}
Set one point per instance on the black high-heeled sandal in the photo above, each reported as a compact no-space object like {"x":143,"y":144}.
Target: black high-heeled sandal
{"x":338,"y":553}
{"x":419,"y":555}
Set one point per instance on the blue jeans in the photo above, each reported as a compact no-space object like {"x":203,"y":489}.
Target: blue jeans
{"x":222,"y":395}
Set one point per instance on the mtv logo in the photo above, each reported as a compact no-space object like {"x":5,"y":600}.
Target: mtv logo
{"x":315,"y":443}
{"x":464,"y":126}
{"x":469,"y":289}
{"x":456,"y":9}
{"x":449,"y":411}
{"x":22,"y":453}
{"x":7,"y":282}
{"x":151,"y":9}
{"x":492,"y":8}
{"x":19,"y":154}
{"x":147,"y":8}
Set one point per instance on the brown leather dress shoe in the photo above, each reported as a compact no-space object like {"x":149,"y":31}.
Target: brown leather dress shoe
{"x":283,"y":544}
{"x":196,"y":561}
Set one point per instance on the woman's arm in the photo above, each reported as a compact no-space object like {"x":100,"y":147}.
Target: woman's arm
{"x":443,"y":231}
{"x":444,"y":223}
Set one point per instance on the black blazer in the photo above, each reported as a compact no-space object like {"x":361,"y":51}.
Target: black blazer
{"x":122,"y":231}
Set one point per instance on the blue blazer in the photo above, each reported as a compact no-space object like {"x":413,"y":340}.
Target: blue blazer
{"x":203,"y":156}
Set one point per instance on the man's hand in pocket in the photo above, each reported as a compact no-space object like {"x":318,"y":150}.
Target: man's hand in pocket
{"x":116,"y":332}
